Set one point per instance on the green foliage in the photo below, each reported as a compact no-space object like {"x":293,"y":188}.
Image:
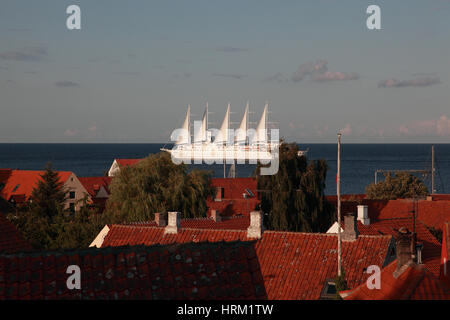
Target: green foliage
{"x":48,"y":226}
{"x":294,"y":197}
{"x":156,"y":184}
{"x":49,"y":196}
{"x":401,"y":185}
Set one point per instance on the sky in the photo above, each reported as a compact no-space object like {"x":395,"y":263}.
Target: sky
{"x":130,"y":72}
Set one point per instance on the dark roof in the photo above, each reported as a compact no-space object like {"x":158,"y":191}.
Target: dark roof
{"x":294,"y":265}
{"x":10,"y":238}
{"x":5,"y":206}
{"x":182,"y":271}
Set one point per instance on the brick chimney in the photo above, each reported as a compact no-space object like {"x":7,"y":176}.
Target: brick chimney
{"x":160,"y":219}
{"x":350,"y":227}
{"x":363,"y":214}
{"x":256,"y":228}
{"x":404,"y":250}
{"x":216,"y":215}
{"x":174,"y":222}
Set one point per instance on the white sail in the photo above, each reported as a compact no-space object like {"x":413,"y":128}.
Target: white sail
{"x":184,"y":138}
{"x":200,"y":135}
{"x":241,"y":132}
{"x":223,"y":134}
{"x":261,"y":129}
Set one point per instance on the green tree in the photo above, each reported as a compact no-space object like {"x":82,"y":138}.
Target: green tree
{"x":294,"y":198}
{"x":49,"y":196}
{"x":78,"y":229}
{"x":38,"y":222}
{"x":400,"y":185}
{"x":47,"y":225}
{"x":156,"y":184}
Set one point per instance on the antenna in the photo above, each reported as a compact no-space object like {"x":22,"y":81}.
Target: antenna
{"x":433,"y":190}
{"x":338,"y":188}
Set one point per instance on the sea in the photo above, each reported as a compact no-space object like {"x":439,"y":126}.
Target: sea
{"x":359,"y":162}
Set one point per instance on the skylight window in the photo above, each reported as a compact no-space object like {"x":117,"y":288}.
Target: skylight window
{"x":329,"y":291}
{"x":16,"y":187}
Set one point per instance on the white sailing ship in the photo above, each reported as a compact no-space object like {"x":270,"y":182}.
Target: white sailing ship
{"x":225,"y":144}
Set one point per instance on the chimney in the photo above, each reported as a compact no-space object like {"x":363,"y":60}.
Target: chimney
{"x":216,"y":215}
{"x":404,"y":250}
{"x":363,"y":214}
{"x":160,"y":219}
{"x":174,"y":222}
{"x":350,"y":227}
{"x":256,"y":227}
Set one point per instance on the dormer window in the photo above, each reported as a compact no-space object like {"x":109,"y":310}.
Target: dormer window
{"x":329,"y":291}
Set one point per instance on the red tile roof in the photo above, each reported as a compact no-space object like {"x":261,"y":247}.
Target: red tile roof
{"x":10,"y":238}
{"x":414,"y":283}
{"x":294,"y":265}
{"x":127,"y":162}
{"x":20,"y":183}
{"x":93,"y":184}
{"x":445,"y":254}
{"x":440,"y":196}
{"x":228,"y":223}
{"x":189,"y":271}
{"x":431,"y":213}
{"x":233,"y":202}
{"x":431,"y":247}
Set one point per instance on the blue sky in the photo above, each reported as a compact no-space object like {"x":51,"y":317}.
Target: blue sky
{"x":129,"y":73}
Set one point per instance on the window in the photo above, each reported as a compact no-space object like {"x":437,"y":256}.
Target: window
{"x":72,"y":207}
{"x":72,"y":195}
{"x":15,"y":188}
{"x":329,"y":290}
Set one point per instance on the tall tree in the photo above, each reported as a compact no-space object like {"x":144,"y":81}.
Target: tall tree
{"x":49,"y":196}
{"x":401,"y":185}
{"x":294,"y":198}
{"x":47,"y":225}
{"x":156,"y":184}
{"x":39,"y":222}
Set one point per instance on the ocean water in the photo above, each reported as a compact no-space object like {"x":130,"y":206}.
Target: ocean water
{"x":358,"y":161}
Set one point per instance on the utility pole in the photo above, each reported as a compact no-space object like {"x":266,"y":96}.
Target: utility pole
{"x":432,"y":169}
{"x":338,"y":188}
